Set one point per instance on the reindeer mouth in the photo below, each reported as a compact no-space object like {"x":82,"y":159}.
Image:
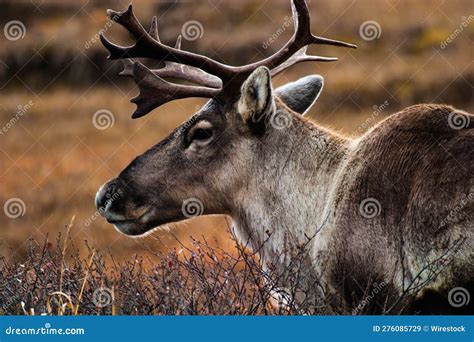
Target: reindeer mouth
{"x":122,"y":221}
{"x":131,"y":218}
{"x":130,"y":226}
{"x":141,"y":225}
{"x":119,"y":219}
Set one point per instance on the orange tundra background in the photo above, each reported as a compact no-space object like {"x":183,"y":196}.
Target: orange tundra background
{"x":65,"y":124}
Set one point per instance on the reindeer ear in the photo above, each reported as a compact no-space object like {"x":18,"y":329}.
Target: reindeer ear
{"x":302,"y":94}
{"x":256,"y":99}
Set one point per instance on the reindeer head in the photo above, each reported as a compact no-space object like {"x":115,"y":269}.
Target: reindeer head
{"x":206,"y":163}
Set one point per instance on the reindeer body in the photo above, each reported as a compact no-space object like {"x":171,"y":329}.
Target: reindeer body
{"x":413,"y":164}
{"x":392,"y":208}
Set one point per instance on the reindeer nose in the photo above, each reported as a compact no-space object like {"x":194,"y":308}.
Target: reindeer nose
{"x":106,"y":195}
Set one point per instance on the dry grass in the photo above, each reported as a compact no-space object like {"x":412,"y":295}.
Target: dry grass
{"x":200,"y":279}
{"x":196,"y":279}
{"x":54,"y":159}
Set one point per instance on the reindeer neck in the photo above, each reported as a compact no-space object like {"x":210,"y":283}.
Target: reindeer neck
{"x":287,"y":197}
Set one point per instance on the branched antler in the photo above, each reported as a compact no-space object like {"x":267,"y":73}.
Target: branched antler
{"x":215,"y":79}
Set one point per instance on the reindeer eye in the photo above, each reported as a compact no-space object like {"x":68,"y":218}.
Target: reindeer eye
{"x":201,"y":134}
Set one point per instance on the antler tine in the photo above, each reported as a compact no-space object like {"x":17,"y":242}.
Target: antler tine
{"x":177,"y":45}
{"x":153,"y":31}
{"x":155,"y":91}
{"x":294,"y":51}
{"x":174,"y":70}
{"x":187,"y":73}
{"x":216,"y":79}
{"x":151,"y":82}
{"x":146,"y":46}
{"x":302,"y":23}
{"x":149,"y":98}
{"x":298,"y":57}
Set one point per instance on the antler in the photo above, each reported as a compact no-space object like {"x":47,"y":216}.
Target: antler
{"x":215,"y":79}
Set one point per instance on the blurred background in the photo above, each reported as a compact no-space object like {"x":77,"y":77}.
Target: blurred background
{"x":65,"y":125}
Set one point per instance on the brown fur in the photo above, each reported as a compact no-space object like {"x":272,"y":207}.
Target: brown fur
{"x":298,"y":190}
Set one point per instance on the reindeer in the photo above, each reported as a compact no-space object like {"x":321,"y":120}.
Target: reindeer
{"x":375,"y":212}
